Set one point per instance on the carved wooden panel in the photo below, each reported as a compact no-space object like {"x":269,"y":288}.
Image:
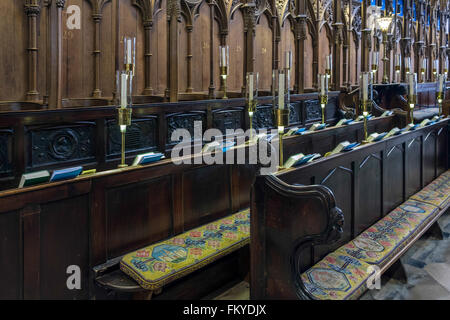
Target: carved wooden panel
{"x":140,"y":136}
{"x":228,"y":119}
{"x":186,"y":121}
{"x":313,"y":111}
{"x":5,"y":150}
{"x":296,"y":113}
{"x":263,"y":117}
{"x":62,"y":144}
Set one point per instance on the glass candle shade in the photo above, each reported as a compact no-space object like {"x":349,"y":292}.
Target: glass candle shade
{"x":328,"y":65}
{"x":251,"y":89}
{"x":279,"y":88}
{"x":129,"y":46}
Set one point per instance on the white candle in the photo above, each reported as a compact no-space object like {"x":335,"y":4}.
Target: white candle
{"x":436,"y":66}
{"x":281,"y":91}
{"x":441,"y":83}
{"x":408,"y":64}
{"x":123,"y":92}
{"x":250,"y":87}
{"x":128,"y":44}
{"x":365,"y":86}
{"x":288,"y":61}
{"x":322,"y":84}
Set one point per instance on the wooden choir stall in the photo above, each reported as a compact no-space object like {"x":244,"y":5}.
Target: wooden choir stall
{"x":177,"y":149}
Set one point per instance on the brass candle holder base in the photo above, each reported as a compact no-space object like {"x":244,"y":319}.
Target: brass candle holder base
{"x":251,"y":111}
{"x":411,"y":102}
{"x":282,"y":121}
{"x":323,"y":99}
{"x":123,"y":120}
{"x":439,"y":100}
{"x":223,"y":75}
{"x":365,"y":107}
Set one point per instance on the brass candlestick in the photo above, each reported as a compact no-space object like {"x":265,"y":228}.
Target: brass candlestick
{"x":365,"y":107}
{"x":439,"y":100}
{"x":251,"y":111}
{"x":412,"y":102}
{"x":323,"y":103}
{"x":223,"y":75}
{"x":282,"y":121}
{"x":124,"y":120}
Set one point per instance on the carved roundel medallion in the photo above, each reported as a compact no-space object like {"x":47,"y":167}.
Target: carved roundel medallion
{"x":63,"y":144}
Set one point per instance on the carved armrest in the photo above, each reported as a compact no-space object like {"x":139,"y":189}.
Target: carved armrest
{"x":285,"y":220}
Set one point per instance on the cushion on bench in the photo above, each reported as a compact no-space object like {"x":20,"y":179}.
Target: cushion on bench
{"x":162,"y":262}
{"x":437,"y":192}
{"x":337,"y":277}
{"x":389,"y":235}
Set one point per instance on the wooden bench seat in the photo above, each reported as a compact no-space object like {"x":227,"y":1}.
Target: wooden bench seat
{"x":343,"y":274}
{"x":163,"y":262}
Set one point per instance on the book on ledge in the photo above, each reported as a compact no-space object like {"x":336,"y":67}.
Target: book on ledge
{"x":293,"y":131}
{"x":299,"y":159}
{"x":30,"y":179}
{"x":65,"y":174}
{"x":411,"y":126}
{"x":361,"y":117}
{"x":437,"y":118}
{"x":351,"y":146}
{"x":425,"y":122}
{"x":387,"y":113}
{"x":317,"y":126}
{"x":218,"y":146}
{"x":395,"y":131}
{"x":374,"y":137}
{"x":344,"y":122}
{"x":147,"y":158}
{"x":343,"y":146}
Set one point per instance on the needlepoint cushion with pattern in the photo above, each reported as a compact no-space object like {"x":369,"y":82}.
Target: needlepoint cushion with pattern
{"x":337,"y":277}
{"x":386,"y":237}
{"x":440,"y":185}
{"x":165,"y":261}
{"x":436,"y":198}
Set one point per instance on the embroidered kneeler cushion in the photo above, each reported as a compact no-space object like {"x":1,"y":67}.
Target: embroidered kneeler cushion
{"x":390,"y":234}
{"x":337,"y":277}
{"x":160,"y":263}
{"x":436,"y":198}
{"x":437,"y":192}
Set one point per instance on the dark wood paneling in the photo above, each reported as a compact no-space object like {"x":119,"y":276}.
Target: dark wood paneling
{"x":413,"y":157}
{"x":10,"y":263}
{"x":370,"y":191}
{"x":211,"y":183}
{"x":393,"y":188}
{"x":138,"y":214}
{"x":64,"y":241}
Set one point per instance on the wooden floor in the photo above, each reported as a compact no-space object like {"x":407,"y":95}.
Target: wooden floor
{"x":427,"y":265}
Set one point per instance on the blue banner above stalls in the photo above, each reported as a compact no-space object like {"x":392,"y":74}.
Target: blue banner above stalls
{"x":414,"y":11}
{"x":439,"y":22}
{"x":428,"y":19}
{"x":400,"y":8}
{"x":383,"y":5}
